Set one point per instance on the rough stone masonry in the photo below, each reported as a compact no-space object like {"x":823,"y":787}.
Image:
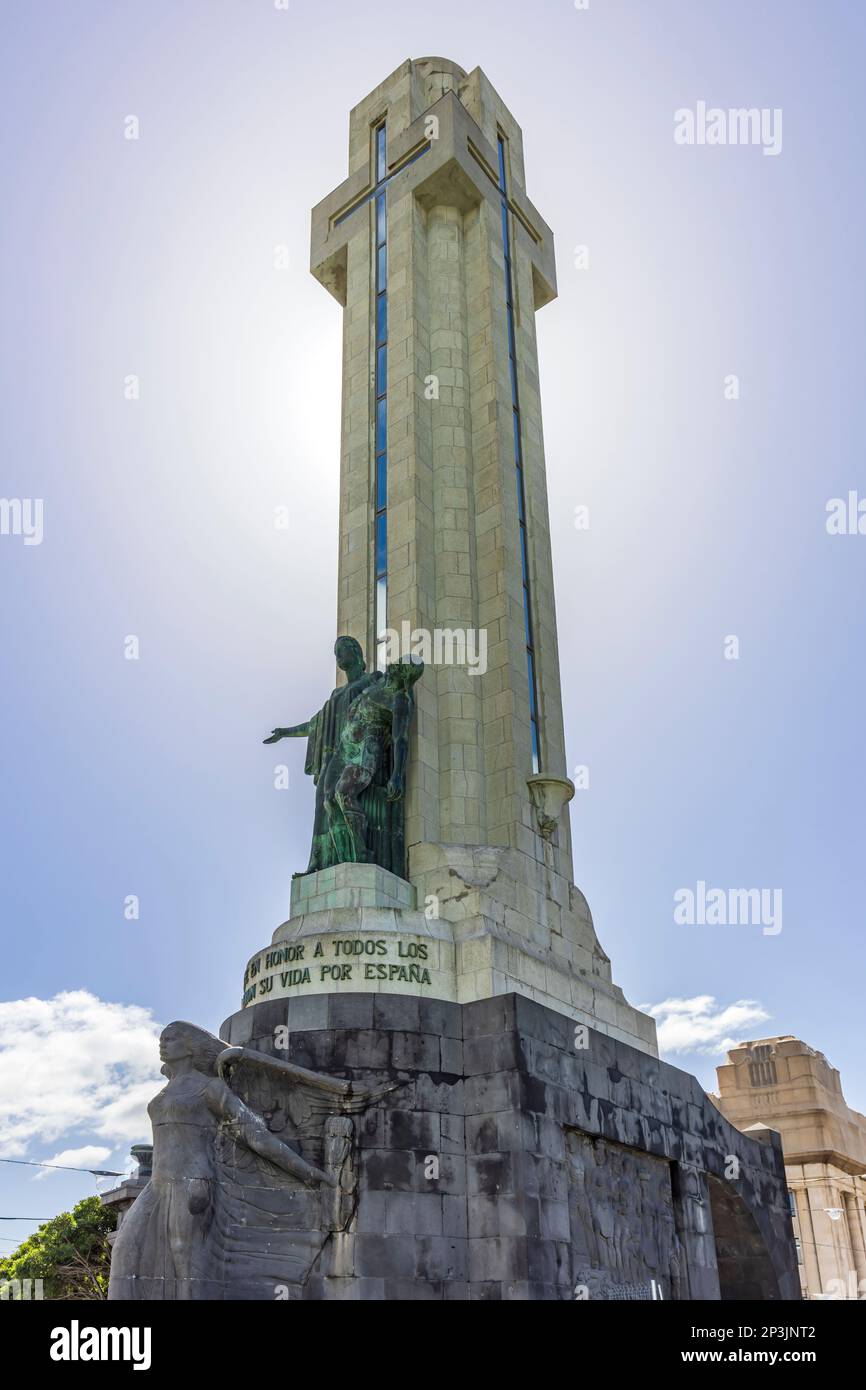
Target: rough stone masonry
{"x":433,"y":1088}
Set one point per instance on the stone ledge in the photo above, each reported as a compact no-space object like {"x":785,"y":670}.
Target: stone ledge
{"x":384,"y":950}
{"x":350,"y":886}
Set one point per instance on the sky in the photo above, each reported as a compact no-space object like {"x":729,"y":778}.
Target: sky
{"x":180,"y":259}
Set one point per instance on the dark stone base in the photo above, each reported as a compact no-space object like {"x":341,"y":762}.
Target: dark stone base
{"x":511,"y":1163}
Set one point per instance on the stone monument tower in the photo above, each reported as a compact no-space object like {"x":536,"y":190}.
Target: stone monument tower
{"x":440,"y":262}
{"x":433,"y":1087}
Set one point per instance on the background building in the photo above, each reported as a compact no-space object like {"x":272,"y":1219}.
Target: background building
{"x":787,"y":1085}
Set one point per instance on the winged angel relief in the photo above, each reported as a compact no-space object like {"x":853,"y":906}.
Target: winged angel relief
{"x":233,"y":1209}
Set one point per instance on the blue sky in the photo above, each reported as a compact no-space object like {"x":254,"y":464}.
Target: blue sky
{"x":155,"y":258}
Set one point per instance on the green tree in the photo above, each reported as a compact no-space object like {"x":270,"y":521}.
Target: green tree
{"x":70,"y":1253}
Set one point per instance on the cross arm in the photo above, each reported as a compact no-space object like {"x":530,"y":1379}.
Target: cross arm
{"x":456,"y":166}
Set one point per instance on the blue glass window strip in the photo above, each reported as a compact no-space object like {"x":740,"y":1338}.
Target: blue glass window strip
{"x":530,"y":662}
{"x":381,"y":483}
{"x":382,"y":545}
{"x":518,"y":461}
{"x":524,"y":559}
{"x":381,"y":153}
{"x":381,"y":185}
{"x":381,"y":425}
{"x":380,"y":478}
{"x":503,"y":182}
{"x":536,"y":752}
{"x":382,"y":320}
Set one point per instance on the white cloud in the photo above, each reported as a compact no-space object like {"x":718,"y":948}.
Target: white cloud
{"x":90,"y":1156}
{"x":75,"y":1064}
{"x":702,"y":1025}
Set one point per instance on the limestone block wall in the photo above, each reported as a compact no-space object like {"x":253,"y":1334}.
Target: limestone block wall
{"x":509,"y":1163}
{"x":453,"y":522}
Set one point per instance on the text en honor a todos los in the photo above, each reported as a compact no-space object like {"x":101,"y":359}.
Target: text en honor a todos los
{"x":336,"y":960}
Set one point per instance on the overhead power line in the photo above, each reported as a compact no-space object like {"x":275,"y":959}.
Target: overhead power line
{"x":94,"y":1172}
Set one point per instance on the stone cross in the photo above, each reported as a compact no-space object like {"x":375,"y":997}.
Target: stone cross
{"x":440,"y":263}
{"x":444,"y":525}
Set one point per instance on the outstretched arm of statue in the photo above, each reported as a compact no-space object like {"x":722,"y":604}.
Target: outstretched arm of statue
{"x":252,"y":1131}
{"x":300,"y":731}
{"x":400,"y":740}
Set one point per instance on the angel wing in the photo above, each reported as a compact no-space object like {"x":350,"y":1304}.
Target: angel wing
{"x":310,"y":1097}
{"x":270,"y":1229}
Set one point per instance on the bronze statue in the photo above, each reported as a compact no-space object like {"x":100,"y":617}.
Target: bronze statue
{"x":373,"y":747}
{"x":357,"y":753}
{"x":323,"y":732}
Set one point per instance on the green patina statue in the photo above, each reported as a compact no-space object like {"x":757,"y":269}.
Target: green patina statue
{"x":357,"y":750}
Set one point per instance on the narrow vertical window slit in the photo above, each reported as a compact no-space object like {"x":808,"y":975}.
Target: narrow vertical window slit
{"x":518,"y":460}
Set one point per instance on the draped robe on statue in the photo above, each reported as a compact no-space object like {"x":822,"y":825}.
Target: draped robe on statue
{"x":326,"y":728}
